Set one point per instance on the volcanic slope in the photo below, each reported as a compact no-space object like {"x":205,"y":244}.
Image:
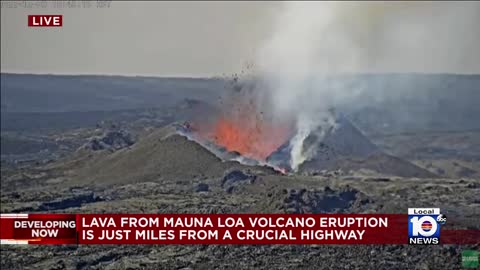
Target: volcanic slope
{"x":161,"y":155}
{"x":345,"y":147}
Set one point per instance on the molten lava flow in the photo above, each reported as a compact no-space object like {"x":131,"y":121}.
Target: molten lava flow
{"x":246,"y":125}
{"x":250,"y":136}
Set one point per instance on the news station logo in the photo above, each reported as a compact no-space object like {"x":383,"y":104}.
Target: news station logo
{"x":424,"y":226}
{"x":45,"y":20}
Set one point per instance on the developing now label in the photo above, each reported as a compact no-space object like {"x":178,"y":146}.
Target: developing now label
{"x":45,"y":20}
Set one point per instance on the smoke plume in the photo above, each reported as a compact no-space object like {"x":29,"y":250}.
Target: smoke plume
{"x":315,"y":45}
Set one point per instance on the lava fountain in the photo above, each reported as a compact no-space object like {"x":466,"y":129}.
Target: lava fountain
{"x":250,"y":135}
{"x":245,"y":125}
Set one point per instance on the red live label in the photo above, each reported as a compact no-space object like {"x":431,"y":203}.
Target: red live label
{"x":45,"y":20}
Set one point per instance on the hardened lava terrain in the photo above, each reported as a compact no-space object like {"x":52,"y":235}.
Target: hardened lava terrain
{"x":137,"y":157}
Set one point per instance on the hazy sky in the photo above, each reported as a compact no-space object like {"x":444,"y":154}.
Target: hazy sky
{"x":184,"y":39}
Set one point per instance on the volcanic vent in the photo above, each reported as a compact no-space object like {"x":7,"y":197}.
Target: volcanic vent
{"x":248,"y":130}
{"x":244,"y":126}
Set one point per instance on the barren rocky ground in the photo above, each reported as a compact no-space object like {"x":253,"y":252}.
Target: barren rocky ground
{"x":107,"y":148}
{"x":167,"y":179}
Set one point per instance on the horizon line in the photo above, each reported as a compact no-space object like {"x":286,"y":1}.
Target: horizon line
{"x":221,"y":76}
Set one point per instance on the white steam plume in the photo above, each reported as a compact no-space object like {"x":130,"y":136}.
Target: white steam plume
{"x":305,"y":125}
{"x":315,"y":42}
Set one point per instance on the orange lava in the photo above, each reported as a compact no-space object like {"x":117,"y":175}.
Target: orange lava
{"x":249,"y":135}
{"x":247,"y":126}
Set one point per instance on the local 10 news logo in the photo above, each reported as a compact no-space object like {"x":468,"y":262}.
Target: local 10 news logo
{"x":424,"y":226}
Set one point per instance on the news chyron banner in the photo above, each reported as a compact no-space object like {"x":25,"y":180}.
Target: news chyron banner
{"x":421,"y":226}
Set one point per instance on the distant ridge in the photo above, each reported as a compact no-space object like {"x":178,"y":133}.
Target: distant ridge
{"x":140,"y":76}
{"x":440,"y":102}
